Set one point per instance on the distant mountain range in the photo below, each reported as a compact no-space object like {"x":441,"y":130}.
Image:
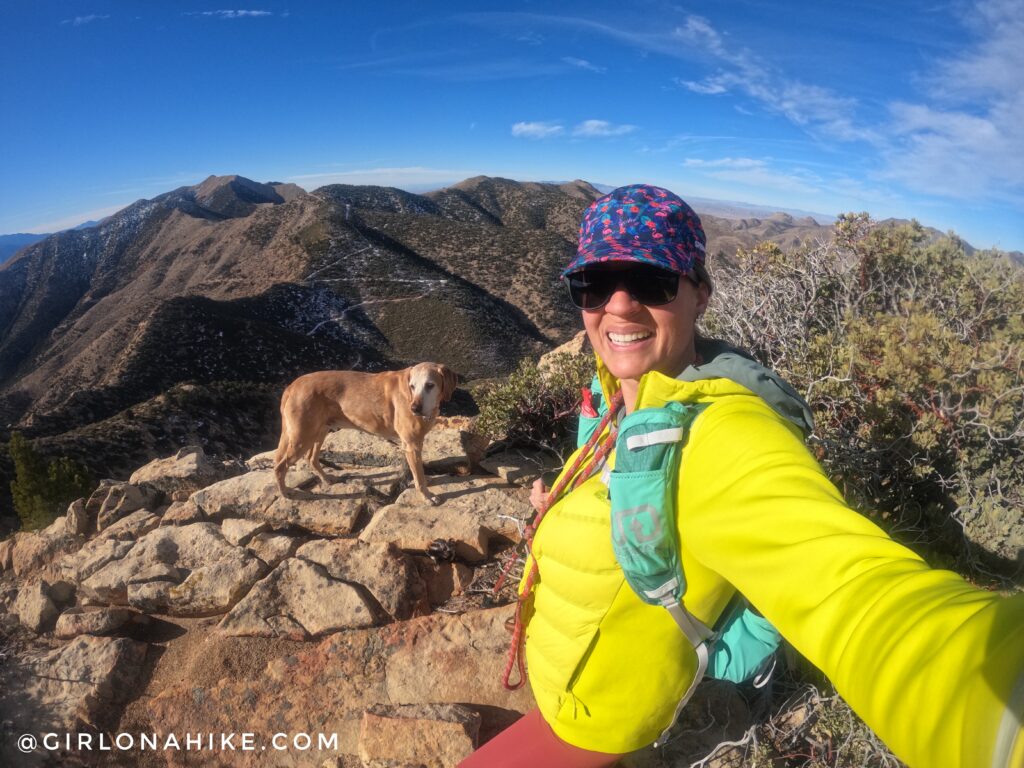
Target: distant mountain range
{"x":180,"y":319}
{"x":11,"y":244}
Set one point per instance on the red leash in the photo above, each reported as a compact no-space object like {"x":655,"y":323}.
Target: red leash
{"x":571,"y":481}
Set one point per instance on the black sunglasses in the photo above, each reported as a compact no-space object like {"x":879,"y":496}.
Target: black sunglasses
{"x":591,"y":288}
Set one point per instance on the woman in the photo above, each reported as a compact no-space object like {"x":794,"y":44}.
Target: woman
{"x":931,"y":663}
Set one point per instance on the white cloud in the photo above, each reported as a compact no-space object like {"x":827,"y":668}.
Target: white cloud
{"x":707,"y":88}
{"x":73,"y":220}
{"x":584,"y":64}
{"x":231,"y":14}
{"x":80,"y":20}
{"x":968,"y":141}
{"x":536,"y":130}
{"x":724,"y":162}
{"x":601,"y":128}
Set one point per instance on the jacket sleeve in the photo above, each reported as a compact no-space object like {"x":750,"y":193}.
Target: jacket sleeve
{"x":927,"y":660}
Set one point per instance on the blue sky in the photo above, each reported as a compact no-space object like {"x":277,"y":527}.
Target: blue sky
{"x":906,"y":109}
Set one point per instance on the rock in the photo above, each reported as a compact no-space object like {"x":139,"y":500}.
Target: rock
{"x":331,"y":511}
{"x":56,"y":528}
{"x":239,"y":531}
{"x":447,"y":446}
{"x":6,"y":549}
{"x":322,"y":687}
{"x":120,"y":500}
{"x":298,"y":601}
{"x":76,"y":521}
{"x":472,"y":510}
{"x":74,"y":688}
{"x":388,"y":574}
{"x":452,"y":659}
{"x":272,"y":548}
{"x":103,"y":621}
{"x":34,"y":550}
{"x":519,"y":466}
{"x":413,"y":528}
{"x":443,"y":580}
{"x":187,"y":471}
{"x":182,"y":513}
{"x":577,"y":345}
{"x":132,"y":526}
{"x":186,"y":570}
{"x":432,"y":735}
{"x":34,"y":608}
{"x":94,"y":555}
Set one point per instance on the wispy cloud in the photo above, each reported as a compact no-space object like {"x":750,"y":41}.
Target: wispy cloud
{"x":231,"y":14}
{"x":757,"y":173}
{"x":601,"y":128}
{"x":584,"y":64}
{"x":968,"y":141}
{"x":409,"y":177}
{"x":80,"y":20}
{"x":536,"y":130}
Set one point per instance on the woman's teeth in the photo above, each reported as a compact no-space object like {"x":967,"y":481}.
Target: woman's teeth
{"x":626,"y":338}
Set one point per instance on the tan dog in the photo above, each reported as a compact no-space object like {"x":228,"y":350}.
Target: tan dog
{"x":397,"y":405}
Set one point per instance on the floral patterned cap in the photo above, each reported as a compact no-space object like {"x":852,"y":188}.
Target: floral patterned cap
{"x":643,"y":224}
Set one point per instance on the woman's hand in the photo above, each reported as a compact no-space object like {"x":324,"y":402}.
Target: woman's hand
{"x":538,"y":494}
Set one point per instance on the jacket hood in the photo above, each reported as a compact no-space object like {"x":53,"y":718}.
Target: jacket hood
{"x":726,"y":370}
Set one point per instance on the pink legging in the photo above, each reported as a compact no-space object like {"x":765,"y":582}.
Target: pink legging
{"x":530,"y":743}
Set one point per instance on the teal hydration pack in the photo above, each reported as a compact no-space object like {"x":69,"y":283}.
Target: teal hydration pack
{"x":643,"y":489}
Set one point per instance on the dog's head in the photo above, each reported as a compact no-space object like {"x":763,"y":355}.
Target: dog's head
{"x":431,"y":384}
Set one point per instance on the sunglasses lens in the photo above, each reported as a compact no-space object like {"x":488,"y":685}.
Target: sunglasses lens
{"x":590,"y":288}
{"x":651,"y":286}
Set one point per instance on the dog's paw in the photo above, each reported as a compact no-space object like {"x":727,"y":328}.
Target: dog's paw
{"x":431,"y":499}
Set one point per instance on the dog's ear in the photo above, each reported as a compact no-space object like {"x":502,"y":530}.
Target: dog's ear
{"x":450,"y":380}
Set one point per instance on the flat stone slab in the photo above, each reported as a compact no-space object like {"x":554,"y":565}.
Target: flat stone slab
{"x":431,"y":735}
{"x":103,"y":621}
{"x":299,"y":601}
{"x":188,"y":570}
{"x":330,"y":511}
{"x":387,"y":573}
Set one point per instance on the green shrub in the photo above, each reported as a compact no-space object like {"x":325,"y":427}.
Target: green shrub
{"x":534,"y":407}
{"x":911,"y":356}
{"x":42,"y":491}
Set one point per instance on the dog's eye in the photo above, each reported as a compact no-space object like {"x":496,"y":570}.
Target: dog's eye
{"x":430,"y":385}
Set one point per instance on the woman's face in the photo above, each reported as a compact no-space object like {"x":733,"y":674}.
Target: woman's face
{"x":633,"y":339}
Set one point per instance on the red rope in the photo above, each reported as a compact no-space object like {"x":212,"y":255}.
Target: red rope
{"x":569,"y":480}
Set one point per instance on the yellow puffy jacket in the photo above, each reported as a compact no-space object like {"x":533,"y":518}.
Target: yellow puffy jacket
{"x":932,"y":664}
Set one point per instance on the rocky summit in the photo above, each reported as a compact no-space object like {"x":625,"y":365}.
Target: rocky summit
{"x":193,"y":599}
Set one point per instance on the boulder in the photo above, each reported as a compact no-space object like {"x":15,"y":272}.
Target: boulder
{"x":188,"y":570}
{"x":77,"y":519}
{"x":102,"y":621}
{"x":298,"y":600}
{"x":80,"y":686}
{"x":6,"y":550}
{"x":577,"y":345}
{"x":431,"y":735}
{"x":120,"y":500}
{"x":331,"y":511}
{"x":238,"y":530}
{"x":132,"y":526}
{"x":34,"y":550}
{"x":272,"y":548}
{"x":182,"y":513}
{"x":388,"y":574}
{"x":94,"y":555}
{"x":413,"y":528}
{"x":34,"y":608}
{"x":185,"y":472}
